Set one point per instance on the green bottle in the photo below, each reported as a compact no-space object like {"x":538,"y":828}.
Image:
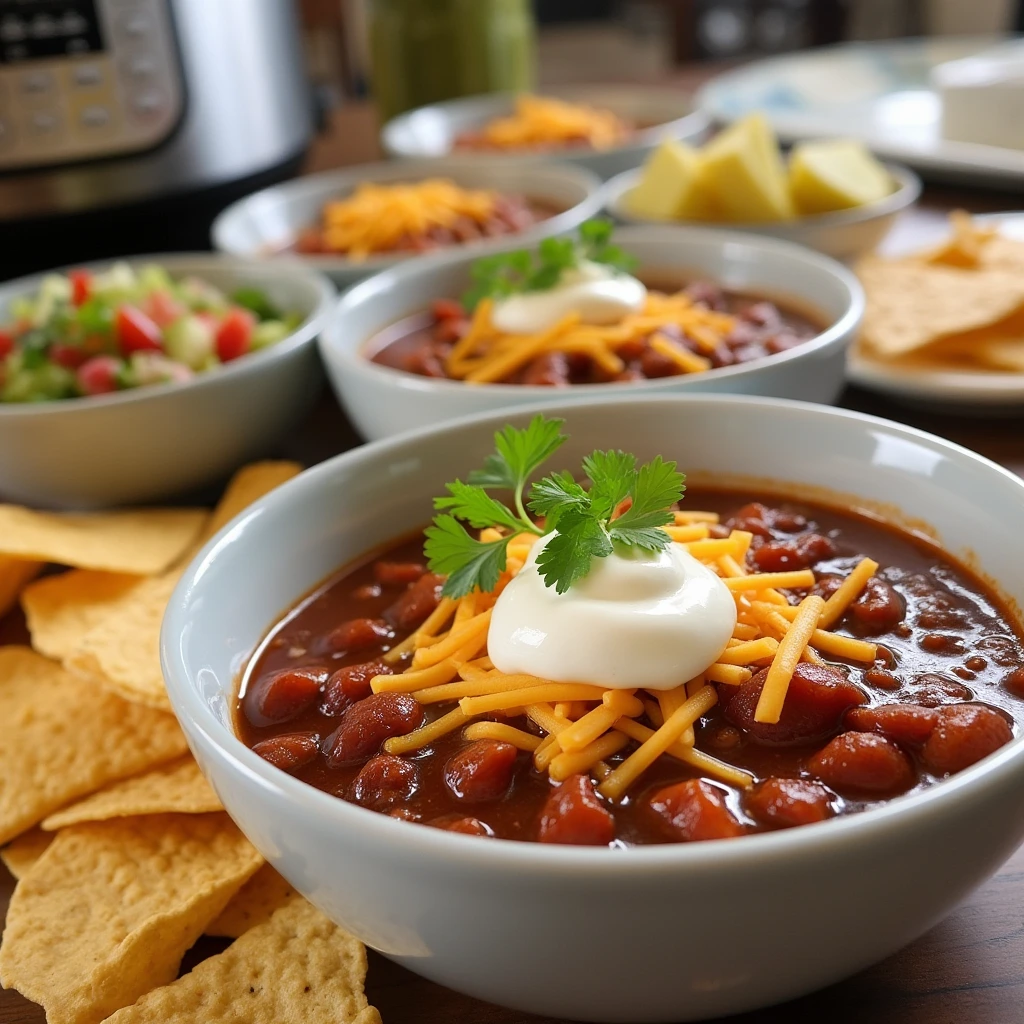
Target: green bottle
{"x":424,"y":51}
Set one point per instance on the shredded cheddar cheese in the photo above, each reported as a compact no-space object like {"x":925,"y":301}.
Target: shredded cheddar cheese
{"x":539,"y":121}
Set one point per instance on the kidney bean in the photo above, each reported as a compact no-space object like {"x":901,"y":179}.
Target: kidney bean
{"x":1003,"y":650}
{"x":416,"y":603}
{"x":787,"y":522}
{"x":654,"y":364}
{"x":783,"y":341}
{"x":932,"y":690}
{"x":367,"y":592}
{"x":350,"y":684}
{"x":748,"y":353}
{"x":706,"y":293}
{"x":817,"y":698}
{"x":905,"y":723}
{"x":778,"y":556}
{"x":965,"y":733}
{"x":878,"y":608}
{"x":720,"y":355}
{"x":574,"y":814}
{"x":282,"y":696}
{"x":385,"y":781}
{"x":764,"y":314}
{"x":881,"y":679}
{"x":783,"y":803}
{"x":976,"y":663}
{"x":423,"y":361}
{"x":1014,"y":681}
{"x":367,"y":724}
{"x":826,"y":584}
{"x":726,"y":737}
{"x":394,"y":574}
{"x":548,"y":370}
{"x":742,"y":335}
{"x":359,"y":634}
{"x":481,"y":771}
{"x":939,"y":643}
{"x":863,"y":762}
{"x":694,"y":810}
{"x":465,"y":826}
{"x":290,"y":751}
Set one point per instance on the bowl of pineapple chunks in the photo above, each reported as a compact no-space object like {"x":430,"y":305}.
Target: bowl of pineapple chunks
{"x":830,"y":194}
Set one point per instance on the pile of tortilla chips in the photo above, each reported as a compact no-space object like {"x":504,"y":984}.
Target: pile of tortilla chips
{"x":123,"y":853}
{"x":958,"y":306}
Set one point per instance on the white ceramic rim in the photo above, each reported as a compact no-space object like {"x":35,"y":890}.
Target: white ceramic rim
{"x":959,"y":387}
{"x":693,"y":122}
{"x":906,"y":193}
{"x":748,"y":851}
{"x":352,"y":353}
{"x":181,"y":263}
{"x":344,"y":179}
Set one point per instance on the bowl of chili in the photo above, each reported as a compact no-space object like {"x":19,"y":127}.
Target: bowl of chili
{"x":162,"y":381}
{"x":454,"y":204}
{"x":754,"y":316}
{"x":910,"y":754}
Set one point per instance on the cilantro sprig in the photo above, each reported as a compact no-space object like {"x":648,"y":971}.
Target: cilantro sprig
{"x":510,"y":273}
{"x":625,"y":506}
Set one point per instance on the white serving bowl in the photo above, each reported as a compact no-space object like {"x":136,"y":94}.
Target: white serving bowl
{"x":431,"y":131}
{"x":268,"y":222}
{"x":153,"y":442}
{"x":382,"y":401}
{"x":677,"y":932}
{"x":844,"y":235}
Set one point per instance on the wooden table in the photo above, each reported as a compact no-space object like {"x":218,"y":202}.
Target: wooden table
{"x":967,"y":970}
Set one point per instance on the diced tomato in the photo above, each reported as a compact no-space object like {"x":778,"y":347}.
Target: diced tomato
{"x":447,"y":309}
{"x":70,"y":356}
{"x":234,"y":336}
{"x":81,"y":286}
{"x":136,"y":332}
{"x":163,"y":308}
{"x":6,"y":343}
{"x":99,"y":375}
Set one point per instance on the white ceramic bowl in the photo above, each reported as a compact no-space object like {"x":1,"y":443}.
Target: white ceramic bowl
{"x":268,"y":222}
{"x":844,"y":235}
{"x":669,"y":113}
{"x":382,"y":401}
{"x":659,"y":933}
{"x":153,"y":442}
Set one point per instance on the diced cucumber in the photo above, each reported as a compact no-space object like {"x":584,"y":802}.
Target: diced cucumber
{"x":118,"y":284}
{"x":153,"y":278}
{"x":269,"y":332}
{"x":54,"y":289}
{"x":190,"y":340}
{"x":201,"y":295}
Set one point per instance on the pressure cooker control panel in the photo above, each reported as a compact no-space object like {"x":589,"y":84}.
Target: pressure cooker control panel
{"x":85,"y":79}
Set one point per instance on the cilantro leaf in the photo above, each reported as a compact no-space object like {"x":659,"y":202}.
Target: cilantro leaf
{"x":612,"y":476}
{"x":467,"y":562}
{"x":567,"y":556}
{"x":556,"y":494}
{"x":476,"y":507}
{"x":525,"y":450}
{"x":648,"y":538}
{"x":658,"y":486}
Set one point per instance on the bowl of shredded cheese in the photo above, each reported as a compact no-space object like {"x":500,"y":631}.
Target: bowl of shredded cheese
{"x":354,"y":222}
{"x":606,"y":129}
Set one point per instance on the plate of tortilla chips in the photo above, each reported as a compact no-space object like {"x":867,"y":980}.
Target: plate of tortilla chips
{"x":122,"y":850}
{"x":944,"y":326}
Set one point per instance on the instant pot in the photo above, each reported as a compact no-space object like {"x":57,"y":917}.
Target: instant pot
{"x":125,"y":125}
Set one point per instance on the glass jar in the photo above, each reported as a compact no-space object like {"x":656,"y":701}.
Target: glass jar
{"x":424,"y":51}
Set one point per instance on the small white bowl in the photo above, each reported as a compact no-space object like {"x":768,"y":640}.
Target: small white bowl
{"x":267,"y":223}
{"x":676,"y":932}
{"x":382,"y":401}
{"x":153,"y":442}
{"x":431,"y":131}
{"x":844,"y":235}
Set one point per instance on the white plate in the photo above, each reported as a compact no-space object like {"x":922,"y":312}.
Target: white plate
{"x":878,"y":92}
{"x":978,"y":391}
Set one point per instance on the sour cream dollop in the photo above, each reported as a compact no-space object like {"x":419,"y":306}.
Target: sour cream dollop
{"x":595,"y":291}
{"x":638,"y":619}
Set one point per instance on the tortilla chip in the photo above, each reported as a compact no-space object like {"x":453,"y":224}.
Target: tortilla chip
{"x":122,"y":651}
{"x":297,"y":966}
{"x":967,"y":244}
{"x":110,"y":908}
{"x":62,"y":738}
{"x":20,"y":854}
{"x":253,"y":904}
{"x":248,"y":485}
{"x":176,"y":788}
{"x":1000,"y":354}
{"x":15,"y":575}
{"x":60,"y":610}
{"x":911,"y":305}
{"x":143,"y":542}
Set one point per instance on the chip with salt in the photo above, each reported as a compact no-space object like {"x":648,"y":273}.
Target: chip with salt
{"x":20,"y":854}
{"x":175,"y":788}
{"x":297,"y":966}
{"x":15,"y":575}
{"x":122,"y":650}
{"x":62,"y":738}
{"x":107,"y":912}
{"x":252,"y":904}
{"x":61,"y":609}
{"x":144,"y":541}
